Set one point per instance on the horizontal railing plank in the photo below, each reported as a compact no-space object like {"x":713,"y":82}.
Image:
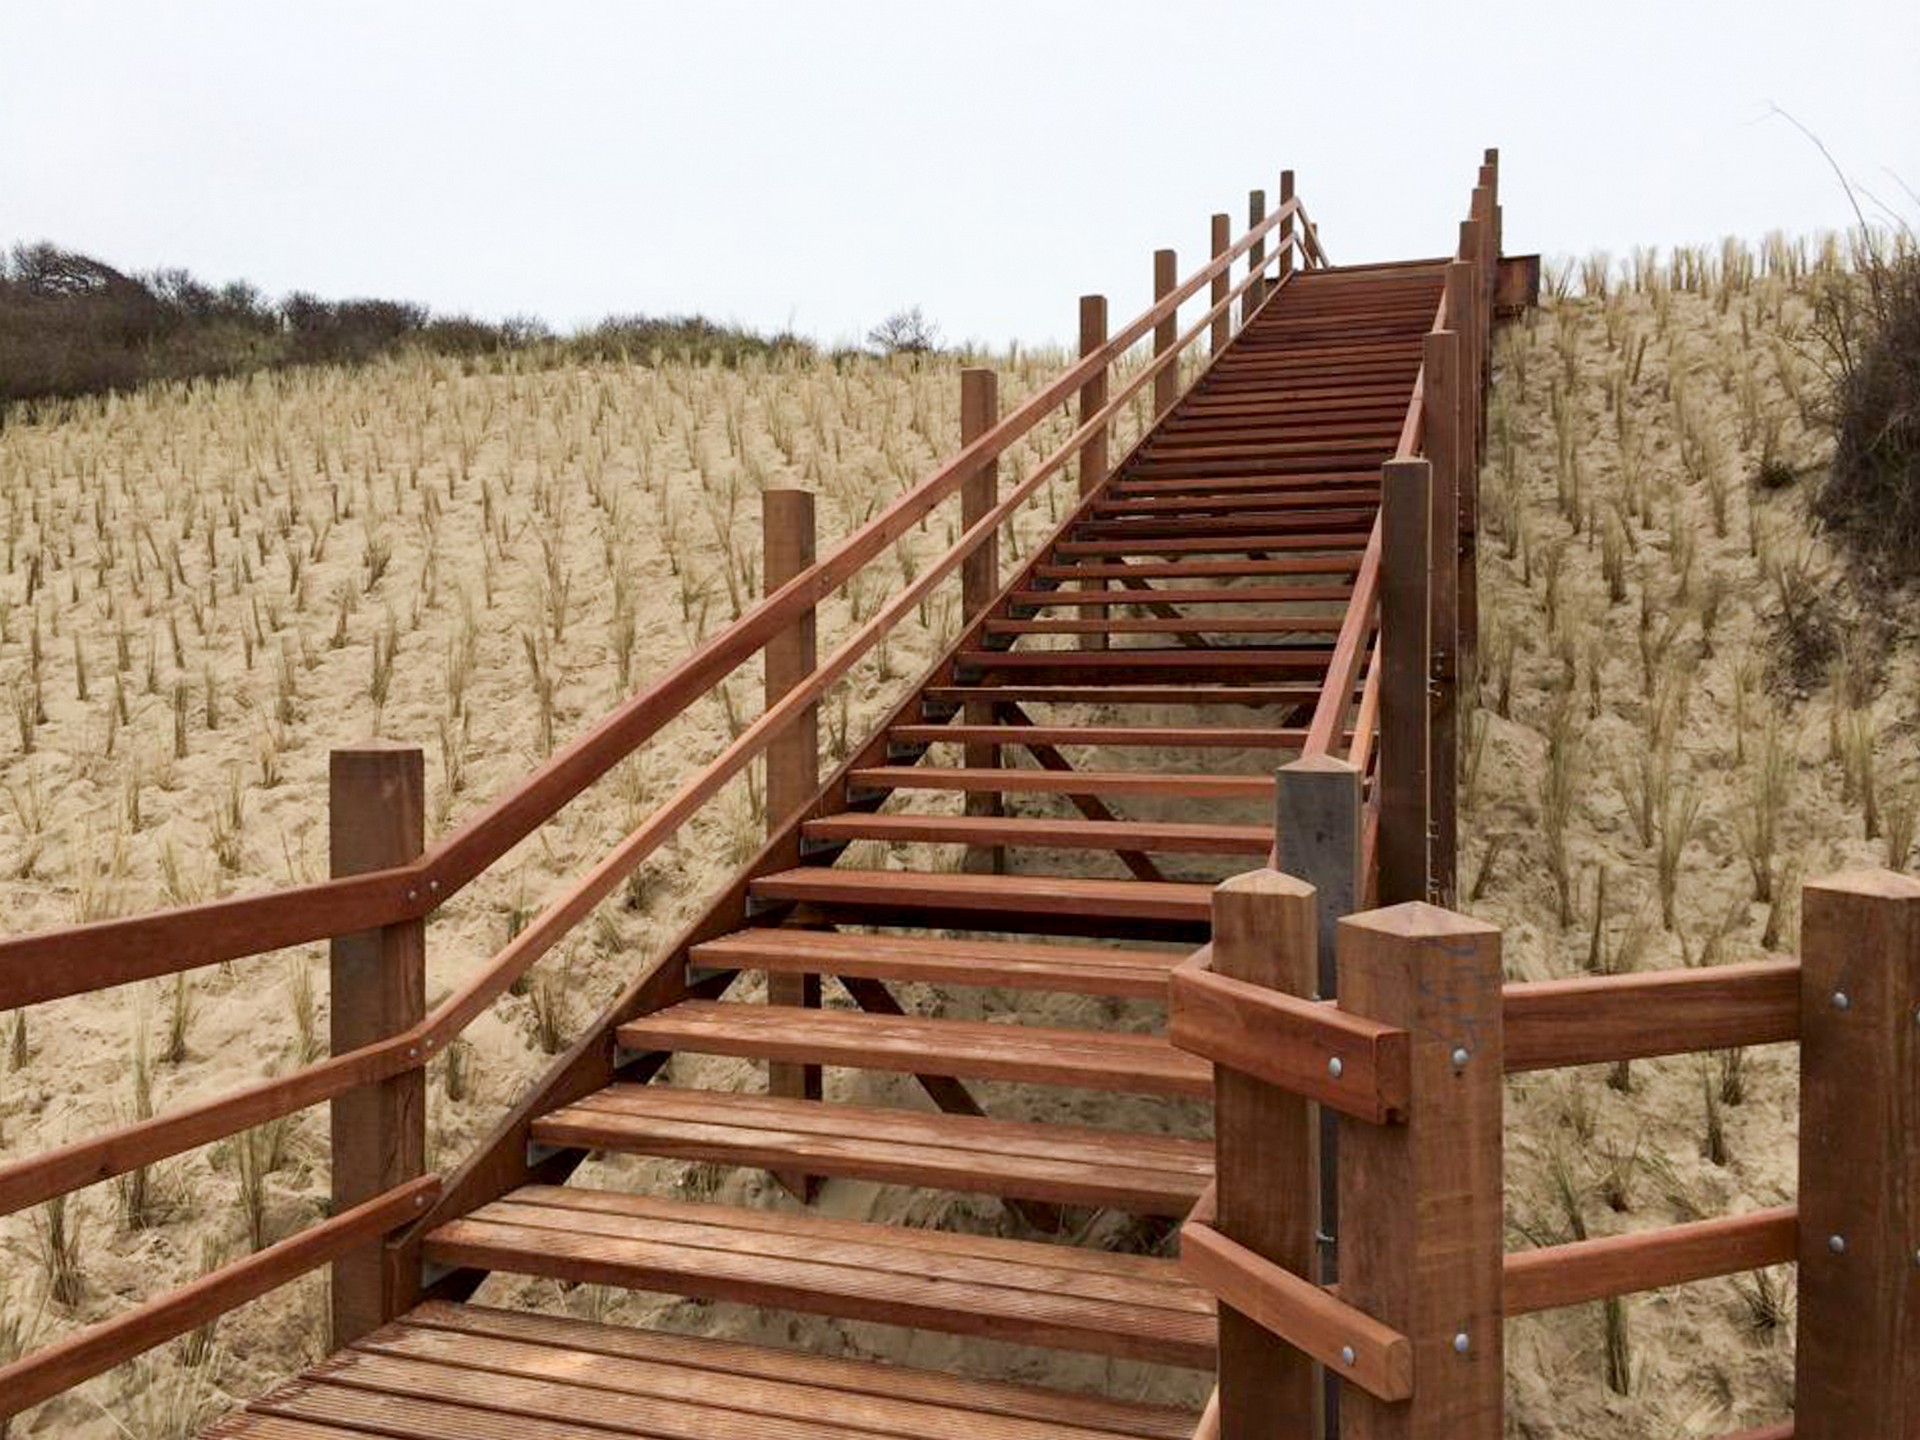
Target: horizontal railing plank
{"x":1599,"y":1019}
{"x":1584,"y":1270}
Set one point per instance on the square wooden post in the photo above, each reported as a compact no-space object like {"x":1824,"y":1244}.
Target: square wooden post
{"x":1222,"y":238}
{"x":1405,"y":555}
{"x":1466,"y":582}
{"x":1441,"y":361}
{"x":1285,"y":243}
{"x":1857,"y":1370}
{"x":1166,"y":384}
{"x":1265,"y":1142}
{"x":979,"y":584}
{"x":1256,"y":255}
{"x":376,"y":819}
{"x":1422,"y":1238}
{"x":787,"y":547}
{"x":1093,"y":450}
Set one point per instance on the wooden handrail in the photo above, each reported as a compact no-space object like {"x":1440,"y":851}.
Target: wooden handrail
{"x":1599,"y":1019}
{"x":59,"y":963}
{"x":37,"y":1178}
{"x":98,"y":1348}
{"x":1584,"y":1270}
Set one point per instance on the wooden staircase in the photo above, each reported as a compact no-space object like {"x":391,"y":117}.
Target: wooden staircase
{"x":1172,"y":640}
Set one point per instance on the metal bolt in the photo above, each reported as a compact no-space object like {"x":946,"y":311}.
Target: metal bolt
{"x":1840,"y":1000}
{"x":1837,"y":1244}
{"x":1347,"y":1356}
{"x":413,"y":895}
{"x":1460,"y":1057}
{"x":413,"y":1052}
{"x":434,"y":885}
{"x":1335,"y":1066}
{"x":1462,"y":1343}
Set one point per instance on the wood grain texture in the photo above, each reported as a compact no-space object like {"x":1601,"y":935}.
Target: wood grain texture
{"x":376,"y":819}
{"x":1598,"y":1019}
{"x":1421,"y":1225}
{"x":1586,"y":1270}
{"x":1266,"y":1148}
{"x":1404,"y":652}
{"x":1857,"y":1367}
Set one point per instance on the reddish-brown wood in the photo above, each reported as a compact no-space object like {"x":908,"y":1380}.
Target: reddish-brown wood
{"x":1307,"y":1320}
{"x":1013,"y":965}
{"x":1405,"y":614}
{"x":1230,"y":737}
{"x":1857,"y":1367}
{"x":1166,"y":384}
{"x":1598,"y":1019}
{"x":1059,"y":894}
{"x":1222,"y":238}
{"x":1068,"y":782}
{"x":1266,"y":1153}
{"x":1176,"y":836}
{"x":1070,"y":1164}
{"x":1586,"y":1270}
{"x":1027,"y":1054}
{"x":98,"y":1348}
{"x":788,"y":547}
{"x":1420,"y":1204}
{"x":1304,"y":1047}
{"x":376,"y":819}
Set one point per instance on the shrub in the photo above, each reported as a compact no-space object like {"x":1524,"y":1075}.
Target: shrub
{"x":1869,"y":323}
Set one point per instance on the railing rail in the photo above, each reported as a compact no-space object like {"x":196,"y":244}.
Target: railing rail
{"x":53,"y":965}
{"x":1850,"y":1004}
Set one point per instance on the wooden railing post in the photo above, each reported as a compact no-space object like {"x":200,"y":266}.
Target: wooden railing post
{"x":1256,"y":255}
{"x":1857,"y":1370}
{"x":376,"y":819}
{"x":979,"y":583}
{"x":1093,"y":450}
{"x":1422,"y":1235}
{"x":1466,"y":582}
{"x":1265,"y":1142}
{"x":1285,"y":242}
{"x":1222,"y":238}
{"x":1441,"y":366}
{"x":1166,"y":384}
{"x":787,"y":547}
{"x":1405,"y":556}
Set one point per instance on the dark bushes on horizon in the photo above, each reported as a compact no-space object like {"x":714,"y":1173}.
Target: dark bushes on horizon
{"x":71,"y":325}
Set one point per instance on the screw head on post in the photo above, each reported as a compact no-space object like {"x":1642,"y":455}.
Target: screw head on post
{"x":1335,"y":1067}
{"x":1841,"y":1001}
{"x":1347,"y":1357}
{"x":1462,"y":1343}
{"x":1837,"y":1244}
{"x":1460,"y":1057}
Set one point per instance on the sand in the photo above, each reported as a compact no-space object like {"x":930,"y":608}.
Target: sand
{"x":468,"y":482}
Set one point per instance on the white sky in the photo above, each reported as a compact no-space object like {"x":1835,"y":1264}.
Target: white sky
{"x":821,"y":164}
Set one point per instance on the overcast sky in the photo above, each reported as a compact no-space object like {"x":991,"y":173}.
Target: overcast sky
{"x":821,"y":164}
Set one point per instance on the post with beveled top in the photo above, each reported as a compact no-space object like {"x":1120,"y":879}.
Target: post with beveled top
{"x":1265,"y":1141}
{"x":1222,"y":283}
{"x":1421,"y":1245}
{"x":979,"y":583}
{"x":1441,"y":368}
{"x":1166,"y":384}
{"x":1857,"y":1367}
{"x":788,"y":544}
{"x":1093,"y":450}
{"x":1285,"y":242}
{"x":376,"y":819}
{"x":1405,"y":558}
{"x":1256,"y":255}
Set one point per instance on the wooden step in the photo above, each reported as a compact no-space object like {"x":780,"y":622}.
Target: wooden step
{"x":1062,"y":1164}
{"x":1012,"y":1290}
{"x":915,"y":1044}
{"x":1039,"y":834}
{"x":1228,"y":737}
{"x":1186,"y":595}
{"x":831,"y":886}
{"x":1174,"y":625}
{"x":1215,"y":544}
{"x":1345,"y":564}
{"x":1062,"y":782}
{"x":1258,"y":522}
{"x":995,"y":964}
{"x":1252,"y":696}
{"x":1135,"y":664}
{"x":462,"y":1372}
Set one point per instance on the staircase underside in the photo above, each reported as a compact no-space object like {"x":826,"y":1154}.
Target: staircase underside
{"x":973,"y":946}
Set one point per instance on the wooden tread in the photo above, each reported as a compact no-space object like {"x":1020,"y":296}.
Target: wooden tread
{"x":999,"y":964}
{"x":1230,"y":737}
{"x":463,"y":1372}
{"x":830,"y":886}
{"x":1144,"y":835}
{"x":1062,"y":782}
{"x":1017,"y":1291}
{"x":1065,"y":1164}
{"x":963,"y":1049}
